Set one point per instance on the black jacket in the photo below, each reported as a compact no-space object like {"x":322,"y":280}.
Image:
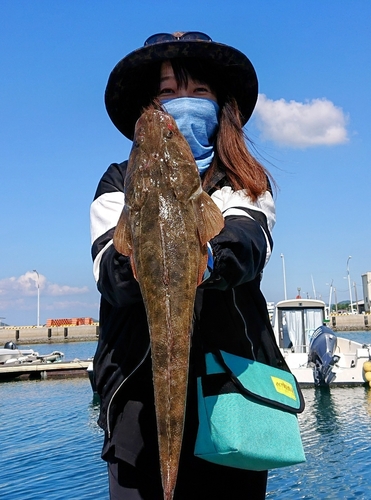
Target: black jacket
{"x":230,"y":313}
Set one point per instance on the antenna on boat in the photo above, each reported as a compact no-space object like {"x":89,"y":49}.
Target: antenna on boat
{"x":314,"y":290}
{"x":284,"y":275}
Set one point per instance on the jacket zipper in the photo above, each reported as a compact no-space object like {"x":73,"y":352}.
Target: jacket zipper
{"x":244,"y":323}
{"x":119,"y":387}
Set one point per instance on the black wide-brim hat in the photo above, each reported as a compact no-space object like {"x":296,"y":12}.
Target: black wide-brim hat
{"x":124,"y":97}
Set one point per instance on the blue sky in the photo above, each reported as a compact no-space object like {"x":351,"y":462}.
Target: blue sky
{"x":311,"y":128}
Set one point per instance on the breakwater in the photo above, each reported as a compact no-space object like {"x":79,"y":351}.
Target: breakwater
{"x":350,"y":322}
{"x":40,"y":335}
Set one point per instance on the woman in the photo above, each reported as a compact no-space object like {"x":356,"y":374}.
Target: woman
{"x":211,"y":90}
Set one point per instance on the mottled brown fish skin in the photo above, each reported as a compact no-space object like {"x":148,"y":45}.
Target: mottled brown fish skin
{"x":164,"y":227}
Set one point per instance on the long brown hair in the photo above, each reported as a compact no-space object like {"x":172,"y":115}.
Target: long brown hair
{"x":242,"y":169}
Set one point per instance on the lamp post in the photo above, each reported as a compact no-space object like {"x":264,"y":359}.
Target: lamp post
{"x":284,"y":275}
{"x":330,"y":297}
{"x":350,"y":289}
{"x":38,"y":297}
{"x":356,"y":296}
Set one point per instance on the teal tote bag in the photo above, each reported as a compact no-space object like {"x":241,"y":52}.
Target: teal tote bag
{"x":248,"y":414}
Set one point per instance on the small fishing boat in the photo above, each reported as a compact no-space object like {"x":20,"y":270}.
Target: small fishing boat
{"x":11,"y":355}
{"x":313,"y":352}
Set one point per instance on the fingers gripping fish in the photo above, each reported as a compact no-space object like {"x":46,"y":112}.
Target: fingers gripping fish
{"x":164,"y":228}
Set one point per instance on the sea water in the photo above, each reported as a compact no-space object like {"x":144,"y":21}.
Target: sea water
{"x":336,"y":434}
{"x":50,"y":441}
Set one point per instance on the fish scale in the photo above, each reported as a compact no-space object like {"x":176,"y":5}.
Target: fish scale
{"x":164,"y":228}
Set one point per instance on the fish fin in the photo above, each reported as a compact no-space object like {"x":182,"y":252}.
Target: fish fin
{"x":133,"y":267}
{"x":209,"y":217}
{"x":122,"y":239}
{"x":122,"y":236}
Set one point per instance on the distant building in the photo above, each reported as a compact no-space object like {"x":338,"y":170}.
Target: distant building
{"x":366,"y":285}
{"x":69,"y":322}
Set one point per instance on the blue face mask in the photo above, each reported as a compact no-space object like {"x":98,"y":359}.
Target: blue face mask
{"x":197,"y":120}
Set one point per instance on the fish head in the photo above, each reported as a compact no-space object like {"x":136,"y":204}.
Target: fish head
{"x":156,"y":133}
{"x":161,"y":151}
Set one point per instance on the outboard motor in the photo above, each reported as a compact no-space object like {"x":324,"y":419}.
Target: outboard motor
{"x":10,"y":345}
{"x":321,"y":354}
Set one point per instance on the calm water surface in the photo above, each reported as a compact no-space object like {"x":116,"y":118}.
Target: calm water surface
{"x":50,"y":442}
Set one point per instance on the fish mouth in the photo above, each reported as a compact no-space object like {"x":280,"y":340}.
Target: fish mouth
{"x":151,"y":117}
{"x":160,"y":127}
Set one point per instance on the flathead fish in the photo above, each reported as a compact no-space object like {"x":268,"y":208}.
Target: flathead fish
{"x":164,"y":227}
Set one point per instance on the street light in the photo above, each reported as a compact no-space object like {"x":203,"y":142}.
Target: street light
{"x":330,"y":297}
{"x":355,"y":295}
{"x":38,"y":297}
{"x":284,"y":275}
{"x":336,"y":301}
{"x":350,"y":289}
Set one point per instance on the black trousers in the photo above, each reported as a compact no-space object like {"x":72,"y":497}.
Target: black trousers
{"x":205,"y":481}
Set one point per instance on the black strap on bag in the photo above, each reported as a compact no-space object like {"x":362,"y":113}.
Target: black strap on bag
{"x":245,"y":391}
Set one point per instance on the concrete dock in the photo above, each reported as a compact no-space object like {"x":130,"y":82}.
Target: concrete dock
{"x":42,"y":371}
{"x":24,"y":335}
{"x":350,"y":322}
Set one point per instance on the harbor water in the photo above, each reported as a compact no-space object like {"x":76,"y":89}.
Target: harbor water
{"x":50,"y":442}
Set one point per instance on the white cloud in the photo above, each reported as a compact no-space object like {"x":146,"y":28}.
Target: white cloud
{"x":295,"y":124}
{"x":69,"y":305}
{"x":19,"y":301}
{"x":26,"y":285}
{"x":54,"y":289}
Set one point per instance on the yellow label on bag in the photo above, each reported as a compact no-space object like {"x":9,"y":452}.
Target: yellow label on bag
{"x":284,"y":387}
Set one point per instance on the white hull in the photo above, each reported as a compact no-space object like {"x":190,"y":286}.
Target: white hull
{"x":295,"y":321}
{"x":14,"y":356}
{"x":8,"y":355}
{"x":348,"y":370}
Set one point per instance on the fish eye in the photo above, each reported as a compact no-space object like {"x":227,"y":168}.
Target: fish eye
{"x":169,"y":134}
{"x":138,"y":140}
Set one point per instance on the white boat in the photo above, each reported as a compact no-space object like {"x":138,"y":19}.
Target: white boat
{"x":313,"y":352}
{"x":11,"y":355}
{"x":91,"y":376}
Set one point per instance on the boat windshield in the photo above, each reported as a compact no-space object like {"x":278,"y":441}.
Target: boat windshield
{"x":297,"y":326}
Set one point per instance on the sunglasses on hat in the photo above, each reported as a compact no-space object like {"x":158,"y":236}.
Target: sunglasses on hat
{"x":168,"y":37}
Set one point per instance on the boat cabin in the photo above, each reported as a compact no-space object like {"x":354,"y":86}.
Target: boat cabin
{"x":295,"y":321}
